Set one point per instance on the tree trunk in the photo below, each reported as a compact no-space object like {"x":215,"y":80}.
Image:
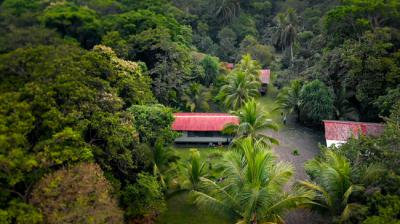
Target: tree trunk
{"x":291,"y":54}
{"x":298,"y":114}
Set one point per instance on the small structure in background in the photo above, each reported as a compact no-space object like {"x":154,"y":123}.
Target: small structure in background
{"x":203,"y":127}
{"x":265,"y":77}
{"x":229,"y":66}
{"x":338,"y":132}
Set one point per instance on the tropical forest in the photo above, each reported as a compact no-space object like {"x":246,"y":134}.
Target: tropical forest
{"x":200,"y":111}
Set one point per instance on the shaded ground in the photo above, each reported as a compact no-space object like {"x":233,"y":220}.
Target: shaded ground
{"x":295,"y":137}
{"x":292,"y":136}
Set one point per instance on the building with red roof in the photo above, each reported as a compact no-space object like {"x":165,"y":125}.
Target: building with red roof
{"x":265,"y":77}
{"x":229,"y":66}
{"x":203,"y":127}
{"x":338,"y":132}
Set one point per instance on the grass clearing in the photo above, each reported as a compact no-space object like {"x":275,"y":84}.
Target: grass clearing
{"x":180,"y":209}
{"x":268,"y":103}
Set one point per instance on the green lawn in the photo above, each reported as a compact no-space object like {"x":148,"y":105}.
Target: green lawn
{"x":268,"y":103}
{"x":181,"y":211}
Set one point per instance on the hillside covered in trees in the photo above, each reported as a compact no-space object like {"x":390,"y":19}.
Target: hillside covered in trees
{"x":88,"y":89}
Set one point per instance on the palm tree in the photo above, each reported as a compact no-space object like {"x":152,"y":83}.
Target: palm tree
{"x":196,"y":98}
{"x":333,"y":183}
{"x":289,"y":100}
{"x":249,"y":66}
{"x":239,"y":89}
{"x":194,"y":170}
{"x":286,"y":33}
{"x":251,"y":190}
{"x":253,"y":123}
{"x":161,"y":158}
{"x":226,"y":10}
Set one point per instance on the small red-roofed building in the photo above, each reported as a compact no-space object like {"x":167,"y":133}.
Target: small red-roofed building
{"x":203,"y":127}
{"x":338,"y":132}
{"x":265,"y":78}
{"x":229,"y":66}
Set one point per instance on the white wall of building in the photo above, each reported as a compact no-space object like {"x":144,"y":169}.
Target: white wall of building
{"x":334,"y":142}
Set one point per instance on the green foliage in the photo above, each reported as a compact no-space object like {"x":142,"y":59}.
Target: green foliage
{"x":71,"y":20}
{"x":374,"y":69}
{"x":343,"y":109}
{"x":252,"y":186}
{"x":253,"y":121}
{"x":331,"y":175}
{"x":136,"y":22}
{"x":79,"y":194}
{"x":249,"y":67}
{"x":28,"y":36}
{"x":196,"y":98}
{"x":227,"y":41}
{"x":289,"y":100}
{"x":161,"y":158}
{"x":356,"y":16}
{"x":194,"y":170}
{"x":387,"y":102}
{"x":153,"y":123}
{"x":286,"y":34}
{"x":20,"y":212}
{"x":130,"y":80}
{"x":261,"y":53}
{"x":243,"y":25}
{"x":211,"y":69}
{"x":316,"y":102}
{"x":388,"y":209}
{"x":18,"y":7}
{"x":60,"y":105}
{"x":239,"y":89}
{"x":144,"y":198}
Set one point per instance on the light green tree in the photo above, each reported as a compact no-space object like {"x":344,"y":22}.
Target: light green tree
{"x":239,"y":89}
{"x":254,"y":123}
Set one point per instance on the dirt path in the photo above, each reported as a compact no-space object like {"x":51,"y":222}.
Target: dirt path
{"x":294,"y":136}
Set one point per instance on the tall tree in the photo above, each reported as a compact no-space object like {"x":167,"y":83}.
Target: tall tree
{"x":286,"y":34}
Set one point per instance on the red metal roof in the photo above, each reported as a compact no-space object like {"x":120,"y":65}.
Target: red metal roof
{"x":343,"y":130}
{"x":265,"y":76}
{"x":202,"y":121}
